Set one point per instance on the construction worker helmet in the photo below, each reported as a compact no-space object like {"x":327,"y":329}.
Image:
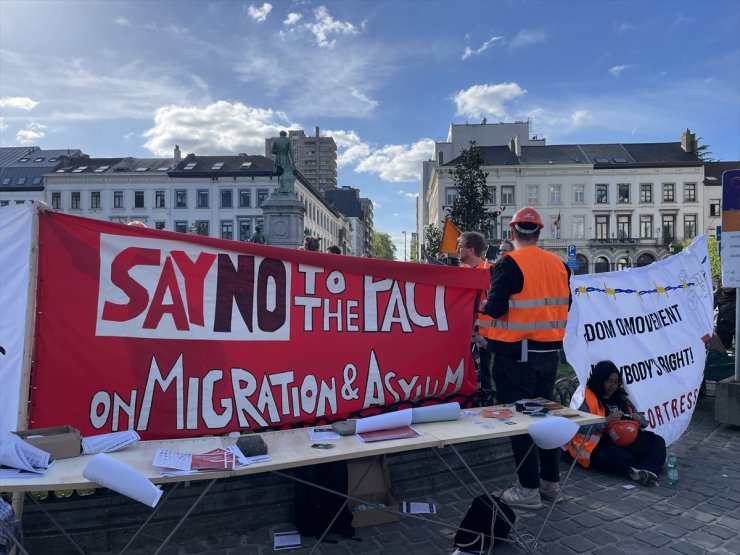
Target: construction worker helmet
{"x":623,"y":432}
{"x":526,"y":215}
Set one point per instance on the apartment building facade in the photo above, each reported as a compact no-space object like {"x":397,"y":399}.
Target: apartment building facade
{"x":315,"y":157}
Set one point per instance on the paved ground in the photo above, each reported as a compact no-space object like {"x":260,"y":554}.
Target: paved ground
{"x":700,"y":515}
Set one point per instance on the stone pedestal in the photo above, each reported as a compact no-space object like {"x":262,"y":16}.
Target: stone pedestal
{"x":727,"y":402}
{"x":283,"y":220}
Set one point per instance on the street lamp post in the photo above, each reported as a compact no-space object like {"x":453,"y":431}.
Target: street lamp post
{"x":404,"y":246}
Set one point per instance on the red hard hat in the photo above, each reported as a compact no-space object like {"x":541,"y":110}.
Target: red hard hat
{"x":526,"y":215}
{"x":623,"y":432}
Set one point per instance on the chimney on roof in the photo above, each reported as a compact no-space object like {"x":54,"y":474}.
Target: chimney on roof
{"x":317,"y":131}
{"x":178,"y":155}
{"x":688,"y":141}
{"x":515,"y":147}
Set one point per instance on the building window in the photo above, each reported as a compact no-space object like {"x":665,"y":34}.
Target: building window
{"x":579,"y":227}
{"x":623,"y":226}
{"x":158,"y":225}
{"x":505,"y":229}
{"x":21,"y":181}
{"x":245,"y":198}
{"x":602,"y":193}
{"x":689,"y":192}
{"x":227,"y":229}
{"x":623,"y":191}
{"x":37,"y":180}
{"x":181,"y":226}
{"x":715,"y":208}
{"x":227,"y":200}
{"x":7,"y":180}
{"x":56,"y":201}
{"x":533,"y":195}
{"x":261,"y":196}
{"x":202,"y":227}
{"x":646,"y":192}
{"x":201,"y":196}
{"x":245,"y":228}
{"x":602,"y":227}
{"x":451,"y":195}
{"x":117,"y":199}
{"x":507,"y":195}
{"x":138,"y":199}
{"x":181,"y":198}
{"x":159,"y":199}
{"x":75,"y":200}
{"x":579,"y":194}
{"x":689,"y":226}
{"x":4,"y":202}
{"x":491,"y":195}
{"x":669,"y":228}
{"x":646,"y":227}
{"x":555,"y":194}
{"x":94,"y":200}
{"x":669,"y":192}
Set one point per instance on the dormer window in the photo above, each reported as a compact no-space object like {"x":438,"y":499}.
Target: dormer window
{"x":40,"y":159}
{"x":245,"y":165}
{"x":24,"y":159}
{"x":217,"y":166}
{"x":190,"y":165}
{"x":163,"y":168}
{"x":79,"y":170}
{"x":141,"y":169}
{"x":101,"y":169}
{"x":52,"y":160}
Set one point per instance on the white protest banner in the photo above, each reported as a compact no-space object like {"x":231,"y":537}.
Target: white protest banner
{"x":652,"y":322}
{"x":16,"y":230}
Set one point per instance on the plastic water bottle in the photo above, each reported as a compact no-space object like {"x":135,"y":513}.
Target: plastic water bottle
{"x":672,"y":462}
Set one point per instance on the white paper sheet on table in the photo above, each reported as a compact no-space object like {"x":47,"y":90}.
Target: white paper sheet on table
{"x":108,"y":443}
{"x":385,"y":421}
{"x":322,"y":434}
{"x":113,"y":474}
{"x":16,"y":453}
{"x":435,"y":413}
{"x":165,"y":458}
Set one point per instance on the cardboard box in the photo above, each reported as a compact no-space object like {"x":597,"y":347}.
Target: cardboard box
{"x":374,"y":489}
{"x":61,"y":442}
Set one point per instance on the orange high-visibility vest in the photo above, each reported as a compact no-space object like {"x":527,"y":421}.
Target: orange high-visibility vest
{"x":540,"y":310}
{"x":584,"y":457}
{"x":484,"y":320}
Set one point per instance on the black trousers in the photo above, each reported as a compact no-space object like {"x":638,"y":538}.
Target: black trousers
{"x":524,"y":380}
{"x":646,"y":453}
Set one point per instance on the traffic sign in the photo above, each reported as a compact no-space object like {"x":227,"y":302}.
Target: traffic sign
{"x":571,"y":251}
{"x":572,"y":264}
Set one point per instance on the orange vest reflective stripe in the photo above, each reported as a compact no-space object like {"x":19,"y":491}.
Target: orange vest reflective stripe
{"x":540,"y":310}
{"x":584,"y":457}
{"x":484,"y":320}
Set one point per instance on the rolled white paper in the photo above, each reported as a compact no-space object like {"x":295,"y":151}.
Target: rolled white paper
{"x":113,"y":474}
{"x":386,"y":421}
{"x":435,"y":413}
{"x":552,"y":432}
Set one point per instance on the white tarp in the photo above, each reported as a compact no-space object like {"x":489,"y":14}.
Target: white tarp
{"x":652,"y":323}
{"x":16,"y":230}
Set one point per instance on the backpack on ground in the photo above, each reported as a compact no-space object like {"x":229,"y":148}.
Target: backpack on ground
{"x":480,"y":524}
{"x":313,"y":508}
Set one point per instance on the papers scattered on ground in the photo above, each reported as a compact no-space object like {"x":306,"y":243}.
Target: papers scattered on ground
{"x":629,"y":486}
{"x":174,"y":463}
{"x":413,"y":507}
{"x":108,"y":443}
{"x":322,"y":434}
{"x":113,"y":474}
{"x":21,"y":458}
{"x":287,"y":540}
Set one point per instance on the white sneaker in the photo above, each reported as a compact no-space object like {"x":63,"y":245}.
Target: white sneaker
{"x":522,"y":498}
{"x":550,"y":490}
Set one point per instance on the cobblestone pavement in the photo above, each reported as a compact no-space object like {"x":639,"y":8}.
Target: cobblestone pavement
{"x":601,"y":516}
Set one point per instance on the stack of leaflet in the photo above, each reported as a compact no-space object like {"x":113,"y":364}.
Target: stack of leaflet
{"x":175,"y":463}
{"x":19,"y":459}
{"x":108,"y":443}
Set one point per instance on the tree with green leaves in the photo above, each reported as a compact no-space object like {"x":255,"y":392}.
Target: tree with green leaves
{"x":414,"y":248}
{"x":432,"y":239}
{"x":703,"y":151}
{"x":199,"y":227}
{"x":468,"y":211}
{"x":715,"y":264}
{"x":383,"y":247}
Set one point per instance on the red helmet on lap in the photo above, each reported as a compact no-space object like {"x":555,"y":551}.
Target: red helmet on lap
{"x":623,"y":432}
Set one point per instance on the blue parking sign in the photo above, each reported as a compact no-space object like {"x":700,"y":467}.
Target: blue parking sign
{"x":571,"y":251}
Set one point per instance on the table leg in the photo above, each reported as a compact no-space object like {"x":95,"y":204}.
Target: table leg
{"x":186,"y":515}
{"x":53,"y":520}
{"x":154,"y":512}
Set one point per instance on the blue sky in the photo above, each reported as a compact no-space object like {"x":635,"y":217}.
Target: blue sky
{"x":385,"y":78}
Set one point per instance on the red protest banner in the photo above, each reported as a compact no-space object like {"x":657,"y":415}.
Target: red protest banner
{"x":178,"y":335}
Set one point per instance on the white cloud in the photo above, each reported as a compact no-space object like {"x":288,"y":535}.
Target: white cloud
{"x":562,"y":122}
{"x":525,"y":37}
{"x":3,"y":125}
{"x":397,"y":163}
{"x":221,"y":127}
{"x":487,"y":100}
{"x":259,"y":14}
{"x":18,"y":102}
{"x":470,"y":52}
{"x":616,"y":71}
{"x":350,"y":148}
{"x":624,"y":27}
{"x":326,"y":25}
{"x":292,"y":19}
{"x":31,"y":133}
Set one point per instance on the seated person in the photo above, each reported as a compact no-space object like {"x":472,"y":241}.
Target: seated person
{"x":641,"y":460}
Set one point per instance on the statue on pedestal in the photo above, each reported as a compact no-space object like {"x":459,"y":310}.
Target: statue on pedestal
{"x":258,"y":236}
{"x":282,"y":148}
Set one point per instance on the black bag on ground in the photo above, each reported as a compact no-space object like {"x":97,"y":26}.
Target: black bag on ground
{"x":313,"y":508}
{"x":480,"y":520}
